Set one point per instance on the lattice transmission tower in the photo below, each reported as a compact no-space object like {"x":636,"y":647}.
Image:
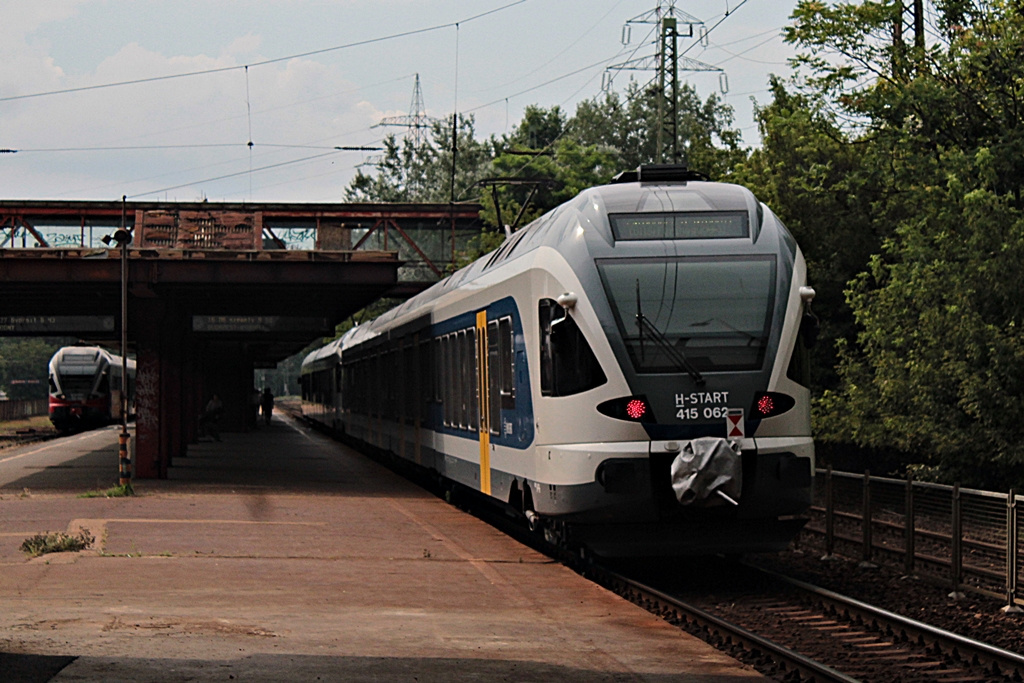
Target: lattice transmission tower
{"x":416,"y":122}
{"x":908,"y":34}
{"x":667,"y":62}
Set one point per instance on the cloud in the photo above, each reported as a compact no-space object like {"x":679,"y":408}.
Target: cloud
{"x":22,"y":18}
{"x":297,"y":102}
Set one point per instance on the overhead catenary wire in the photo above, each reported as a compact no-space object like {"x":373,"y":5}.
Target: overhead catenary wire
{"x":560,"y":52}
{"x":328,"y":149}
{"x":233,"y":175}
{"x":128,"y":148}
{"x":505,"y":99}
{"x":566,"y":130}
{"x":264,"y":62}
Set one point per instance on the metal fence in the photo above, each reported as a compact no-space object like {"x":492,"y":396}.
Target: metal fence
{"x":17,"y":410}
{"x":967,"y":538}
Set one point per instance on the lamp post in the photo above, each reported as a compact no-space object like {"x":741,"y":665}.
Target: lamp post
{"x":122,"y":237}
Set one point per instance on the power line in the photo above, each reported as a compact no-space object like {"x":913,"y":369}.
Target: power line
{"x":739,"y":55}
{"x":566,"y":131}
{"x":233,"y":175}
{"x":548,"y":82}
{"x":274,"y":60}
{"x":133,"y":148}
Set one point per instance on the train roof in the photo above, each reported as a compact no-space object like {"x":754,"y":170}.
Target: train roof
{"x":323,"y":353}
{"x":649,"y":189}
{"x":86,"y":355}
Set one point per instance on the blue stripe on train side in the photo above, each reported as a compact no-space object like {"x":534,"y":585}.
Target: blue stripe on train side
{"x":517,"y":423}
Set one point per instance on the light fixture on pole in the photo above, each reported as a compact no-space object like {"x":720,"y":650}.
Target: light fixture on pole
{"x":122,"y":237}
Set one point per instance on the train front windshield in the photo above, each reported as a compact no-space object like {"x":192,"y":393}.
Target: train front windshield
{"x":715,"y":312}
{"x":77,"y":385}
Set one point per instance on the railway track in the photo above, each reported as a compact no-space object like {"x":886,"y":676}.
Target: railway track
{"x":807,"y":633}
{"x":25,"y":436}
{"x":786,"y":629}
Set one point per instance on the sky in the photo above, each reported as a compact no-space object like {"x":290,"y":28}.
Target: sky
{"x":159,"y":100}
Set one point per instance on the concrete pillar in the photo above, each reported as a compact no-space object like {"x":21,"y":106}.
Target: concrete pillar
{"x":171,"y":415}
{"x":160,"y":331}
{"x":147,"y":418}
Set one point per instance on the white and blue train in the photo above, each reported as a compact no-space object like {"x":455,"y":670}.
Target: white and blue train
{"x":629,"y":372}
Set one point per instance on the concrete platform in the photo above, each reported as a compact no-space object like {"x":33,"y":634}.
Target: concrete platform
{"x":280,"y":555}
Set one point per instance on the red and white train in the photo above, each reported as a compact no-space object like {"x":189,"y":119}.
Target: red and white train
{"x":85,"y":387}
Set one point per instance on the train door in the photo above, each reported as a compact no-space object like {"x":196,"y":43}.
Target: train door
{"x":483,"y":402}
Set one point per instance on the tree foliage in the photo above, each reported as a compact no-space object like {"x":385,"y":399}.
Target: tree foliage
{"x":407,"y":173}
{"x":936,"y":368}
{"x":24,"y":363}
{"x":628,"y":126}
{"x":815,"y":179}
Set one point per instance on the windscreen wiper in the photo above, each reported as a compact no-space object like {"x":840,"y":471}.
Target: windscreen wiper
{"x":674,"y":354}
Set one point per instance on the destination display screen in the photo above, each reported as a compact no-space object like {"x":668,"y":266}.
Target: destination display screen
{"x":680,"y":226}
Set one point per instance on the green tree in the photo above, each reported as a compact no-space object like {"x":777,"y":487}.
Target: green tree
{"x":562,"y":162}
{"x":406,"y":173}
{"x":24,"y":363}
{"x":937,"y":368}
{"x":628,"y":126}
{"x":818,"y":182}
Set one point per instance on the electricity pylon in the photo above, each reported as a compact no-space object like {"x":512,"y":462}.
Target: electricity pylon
{"x":416,"y":122}
{"x":666,"y":63}
{"x":910,"y":20}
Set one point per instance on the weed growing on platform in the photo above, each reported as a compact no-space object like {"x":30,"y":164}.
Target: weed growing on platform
{"x":57,"y":542}
{"x":119,"y":491}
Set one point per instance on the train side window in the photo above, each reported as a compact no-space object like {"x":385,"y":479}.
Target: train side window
{"x":500,"y":370}
{"x":799,"y":369}
{"x":568,"y":365}
{"x":507,"y":363}
{"x":438,"y":371}
{"x":451,"y":381}
{"x":387,"y":402}
{"x":460,"y":365}
{"x":426,"y":373}
{"x":461,"y":361}
{"x":459,"y":374}
{"x":494,"y":371}
{"x":469,"y":383}
{"x":103,"y":386}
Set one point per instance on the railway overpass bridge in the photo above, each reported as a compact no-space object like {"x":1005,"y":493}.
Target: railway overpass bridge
{"x":214,"y":290}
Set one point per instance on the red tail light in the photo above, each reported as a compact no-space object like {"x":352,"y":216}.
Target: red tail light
{"x":632,"y":408}
{"x":636,"y":409}
{"x":770,"y":404}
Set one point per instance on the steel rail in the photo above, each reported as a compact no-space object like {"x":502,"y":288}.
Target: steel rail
{"x":727,"y":632}
{"x":1007,"y":663}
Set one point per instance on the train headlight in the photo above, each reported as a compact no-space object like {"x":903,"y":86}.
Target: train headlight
{"x":632,"y":408}
{"x":770,"y":404}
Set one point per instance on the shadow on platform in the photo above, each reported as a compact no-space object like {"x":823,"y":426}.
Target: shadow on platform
{"x":295,"y":667}
{"x":284,"y":456}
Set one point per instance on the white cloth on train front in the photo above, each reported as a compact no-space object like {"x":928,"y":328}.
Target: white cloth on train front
{"x":708,"y":471}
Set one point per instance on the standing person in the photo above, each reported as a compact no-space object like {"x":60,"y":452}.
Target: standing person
{"x":267,"y":403}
